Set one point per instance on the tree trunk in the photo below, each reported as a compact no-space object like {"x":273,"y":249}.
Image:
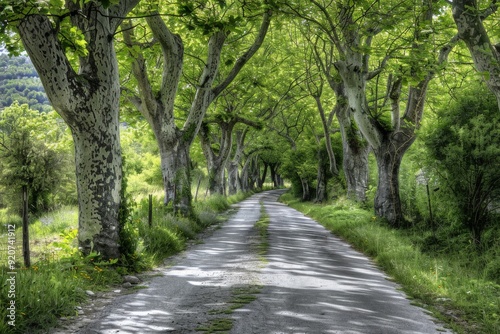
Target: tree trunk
{"x":255,"y":173}
{"x":98,"y":186}
{"x":233,"y":178}
{"x":88,"y":101}
{"x":158,"y":107}
{"x":274,"y":175}
{"x":387,"y":202}
{"x":354,"y":147}
{"x":176,"y":171}
{"x":216,"y":180}
{"x":216,"y":163}
{"x":245,"y":177}
{"x":321,"y":194}
{"x":306,"y":192}
{"x":264,"y":174}
{"x":356,"y":171}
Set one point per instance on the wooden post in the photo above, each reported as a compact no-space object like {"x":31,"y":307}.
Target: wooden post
{"x":197,"y":188}
{"x":430,"y":209}
{"x":26,"y":238}
{"x":150,"y":211}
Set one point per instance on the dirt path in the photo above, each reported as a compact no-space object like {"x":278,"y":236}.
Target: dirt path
{"x":308,"y":282}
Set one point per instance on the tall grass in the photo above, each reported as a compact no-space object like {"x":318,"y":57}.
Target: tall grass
{"x":461,"y":295}
{"x":48,"y":291}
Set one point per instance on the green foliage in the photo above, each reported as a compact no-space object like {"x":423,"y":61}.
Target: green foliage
{"x":160,"y":241}
{"x":45,"y":293}
{"x":262,"y":226}
{"x":128,"y":234}
{"x":240,"y":296}
{"x":465,"y":146}
{"x":217,"y":203}
{"x":33,"y":154}
{"x":300,"y":164}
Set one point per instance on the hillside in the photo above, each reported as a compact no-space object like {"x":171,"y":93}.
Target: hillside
{"x":19,"y":82}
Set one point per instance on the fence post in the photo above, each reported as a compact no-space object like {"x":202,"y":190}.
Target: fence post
{"x":150,"y":211}
{"x":26,"y":237}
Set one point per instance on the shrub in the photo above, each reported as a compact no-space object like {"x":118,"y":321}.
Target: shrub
{"x":465,"y":147}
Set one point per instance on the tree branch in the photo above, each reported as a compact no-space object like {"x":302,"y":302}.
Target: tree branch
{"x":266,"y":21}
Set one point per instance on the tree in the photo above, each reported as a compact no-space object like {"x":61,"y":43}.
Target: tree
{"x":465,"y":146}
{"x":157,"y":105}
{"x":28,"y":164}
{"x":353,"y":28}
{"x":72,"y":49}
{"x":217,"y":147}
{"x":30,"y":154}
{"x":469,"y":19}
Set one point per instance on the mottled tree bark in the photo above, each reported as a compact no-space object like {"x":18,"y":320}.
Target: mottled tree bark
{"x":88,"y":101}
{"x":355,"y":148}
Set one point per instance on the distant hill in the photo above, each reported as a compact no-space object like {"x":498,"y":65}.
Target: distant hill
{"x":19,"y":81}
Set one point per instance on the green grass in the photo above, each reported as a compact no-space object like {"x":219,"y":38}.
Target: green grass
{"x":218,"y":325}
{"x":262,"y":225}
{"x":445,"y":283}
{"x":240,"y":296}
{"x":50,"y":290}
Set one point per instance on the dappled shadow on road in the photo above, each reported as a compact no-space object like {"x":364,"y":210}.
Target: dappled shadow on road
{"x":315,"y":283}
{"x":202,"y":281}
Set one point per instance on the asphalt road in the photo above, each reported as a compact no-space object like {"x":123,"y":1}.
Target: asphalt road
{"x":311,"y":281}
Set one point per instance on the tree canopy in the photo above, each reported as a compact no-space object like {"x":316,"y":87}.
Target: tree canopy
{"x":309,"y":90}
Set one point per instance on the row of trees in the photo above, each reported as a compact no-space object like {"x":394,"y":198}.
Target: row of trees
{"x":370,"y":63}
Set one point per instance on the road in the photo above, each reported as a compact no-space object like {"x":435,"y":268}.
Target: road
{"x":310,"y":282}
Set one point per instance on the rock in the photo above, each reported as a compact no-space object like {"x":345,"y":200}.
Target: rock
{"x":131,"y":279}
{"x":127,"y":285}
{"x":89,"y":293}
{"x":443,"y":299}
{"x":117,"y":291}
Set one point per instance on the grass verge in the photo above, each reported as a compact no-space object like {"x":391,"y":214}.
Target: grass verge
{"x":455,"y":293}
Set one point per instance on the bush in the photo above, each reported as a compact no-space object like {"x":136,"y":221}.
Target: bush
{"x":465,"y":147}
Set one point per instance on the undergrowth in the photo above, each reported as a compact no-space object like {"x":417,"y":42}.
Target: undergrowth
{"x":462,"y":295}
